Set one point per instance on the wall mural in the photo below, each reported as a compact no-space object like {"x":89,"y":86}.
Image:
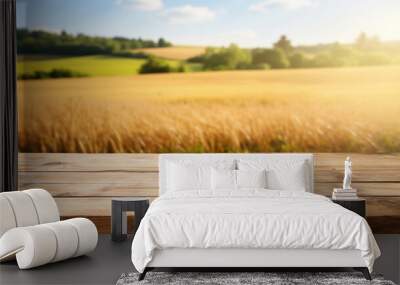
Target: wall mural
{"x":209,"y":76}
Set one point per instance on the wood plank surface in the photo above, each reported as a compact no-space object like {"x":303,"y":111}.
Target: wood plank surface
{"x":150,"y":179}
{"x":383,"y":206}
{"x":328,"y":166}
{"x":83,"y":184}
{"x":86,"y":206}
{"x":149,"y":162}
{"x":138,"y":179}
{"x":364,"y":189}
{"x":101,"y":206}
{"x":74,"y":162}
{"x":360,"y":174}
{"x":95,"y":189}
{"x":103,"y":223}
{"x":366,"y":167}
{"x":117,"y":189}
{"x":337,"y":159}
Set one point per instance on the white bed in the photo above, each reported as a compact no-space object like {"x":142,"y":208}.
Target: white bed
{"x":284,"y":225}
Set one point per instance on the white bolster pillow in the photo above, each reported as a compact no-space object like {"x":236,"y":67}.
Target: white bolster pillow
{"x":40,"y":244}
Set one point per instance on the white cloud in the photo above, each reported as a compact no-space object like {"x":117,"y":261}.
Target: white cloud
{"x":286,"y":4}
{"x":189,"y":14}
{"x":144,"y":5}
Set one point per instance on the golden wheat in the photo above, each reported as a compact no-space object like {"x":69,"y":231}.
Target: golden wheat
{"x":321,"y":110}
{"x":175,"y":52}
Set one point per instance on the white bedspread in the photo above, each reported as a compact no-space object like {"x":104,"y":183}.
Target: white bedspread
{"x":250,"y":219}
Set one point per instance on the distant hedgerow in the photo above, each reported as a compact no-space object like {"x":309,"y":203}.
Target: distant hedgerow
{"x":54,"y":73}
{"x":155,"y":65}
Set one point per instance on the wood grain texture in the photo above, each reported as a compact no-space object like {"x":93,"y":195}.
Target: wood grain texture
{"x":337,"y":159}
{"x":366,"y":167}
{"x":150,"y":179}
{"x":149,"y":162}
{"x":103,"y":223}
{"x":101,"y":206}
{"x":119,"y":189}
{"x":94,"y":190}
{"x":136,"y":179}
{"x":364,"y":189}
{"x":86,"y":206}
{"x":383,"y":206}
{"x":83,"y":184}
{"x":328,"y":166}
{"x":62,"y":162}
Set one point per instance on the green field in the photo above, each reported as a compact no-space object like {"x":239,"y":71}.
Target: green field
{"x":91,"y":65}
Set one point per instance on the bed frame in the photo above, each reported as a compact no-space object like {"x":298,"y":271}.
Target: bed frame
{"x":250,"y":259}
{"x":242,"y":259}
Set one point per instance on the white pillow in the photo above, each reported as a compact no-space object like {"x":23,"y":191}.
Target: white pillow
{"x":186,"y":174}
{"x":223,"y":179}
{"x":281,"y":174}
{"x":251,"y":178}
{"x":185,"y":177}
{"x":292,"y":178}
{"x":226,"y":179}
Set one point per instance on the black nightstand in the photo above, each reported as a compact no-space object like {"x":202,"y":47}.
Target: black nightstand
{"x":119,"y":207}
{"x":356,"y":205}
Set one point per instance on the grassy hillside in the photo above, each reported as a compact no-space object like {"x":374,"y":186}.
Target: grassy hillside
{"x":320,"y":110}
{"x":92,"y":65}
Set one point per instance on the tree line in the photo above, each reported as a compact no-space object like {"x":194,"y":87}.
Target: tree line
{"x":365,"y":51}
{"x":63,"y":43}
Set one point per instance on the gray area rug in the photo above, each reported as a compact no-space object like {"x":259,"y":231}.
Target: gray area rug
{"x":269,"y":278}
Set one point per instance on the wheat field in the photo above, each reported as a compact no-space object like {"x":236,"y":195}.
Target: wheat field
{"x":174,"y":52}
{"x":314,"y":110}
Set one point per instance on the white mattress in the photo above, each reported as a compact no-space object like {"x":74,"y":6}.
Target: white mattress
{"x":253,"y":219}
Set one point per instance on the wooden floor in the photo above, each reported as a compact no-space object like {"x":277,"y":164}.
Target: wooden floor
{"x":111,"y":259}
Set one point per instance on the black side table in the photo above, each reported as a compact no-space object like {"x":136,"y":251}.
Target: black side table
{"x":120,"y":206}
{"x":357,"y":205}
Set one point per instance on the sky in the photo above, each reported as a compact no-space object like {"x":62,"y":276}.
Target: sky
{"x":248,"y":23}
